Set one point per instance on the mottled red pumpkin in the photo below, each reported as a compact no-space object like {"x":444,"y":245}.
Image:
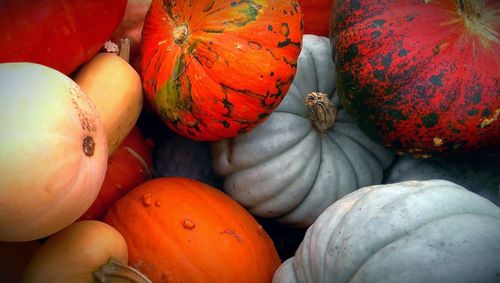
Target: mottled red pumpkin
{"x":316,"y":16}
{"x":213,"y":69}
{"x":61,"y":34}
{"x":422,"y":77}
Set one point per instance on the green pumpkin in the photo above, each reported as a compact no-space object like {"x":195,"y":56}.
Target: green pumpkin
{"x":413,"y":231}
{"x":296,"y":164}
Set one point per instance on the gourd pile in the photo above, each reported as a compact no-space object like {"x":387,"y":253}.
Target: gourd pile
{"x":250,"y":141}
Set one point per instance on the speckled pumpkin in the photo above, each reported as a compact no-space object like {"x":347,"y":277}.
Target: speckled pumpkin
{"x":302,"y":159}
{"x":417,"y":231}
{"x":422,"y":77}
{"x":214,"y":69}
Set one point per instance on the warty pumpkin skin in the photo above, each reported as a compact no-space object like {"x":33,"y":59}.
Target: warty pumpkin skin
{"x":181,"y":230}
{"x":288,"y":169}
{"x":421,"y":77}
{"x":214,"y":69}
{"x":415,"y":231}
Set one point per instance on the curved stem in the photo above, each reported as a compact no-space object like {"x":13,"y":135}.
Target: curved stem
{"x":114,"y":270}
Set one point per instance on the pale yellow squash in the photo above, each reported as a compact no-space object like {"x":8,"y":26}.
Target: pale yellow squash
{"x":53,"y":151}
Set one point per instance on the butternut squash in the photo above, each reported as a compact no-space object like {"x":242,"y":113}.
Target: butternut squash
{"x":116,"y":90}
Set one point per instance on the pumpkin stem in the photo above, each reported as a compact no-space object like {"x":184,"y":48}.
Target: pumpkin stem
{"x":181,"y":33}
{"x":323,"y":111}
{"x":479,"y":20}
{"x":114,"y":270}
{"x":125,"y":49}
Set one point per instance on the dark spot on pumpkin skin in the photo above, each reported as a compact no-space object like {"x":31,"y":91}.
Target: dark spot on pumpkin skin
{"x":387,"y":60}
{"x":271,"y":74}
{"x":234,"y":4}
{"x":476,"y":98}
{"x":430,"y":120}
{"x":436,"y":81}
{"x":208,"y":7}
{"x":396,"y":114}
{"x":486,"y":112}
{"x":410,"y":18}
{"x":355,"y":4}
{"x":379,"y":75}
{"x":378,"y":23}
{"x":254,"y":45}
{"x":270,"y":28}
{"x":225,"y":124}
{"x":402,"y":52}
{"x":473,"y":112}
{"x":352,"y":52}
{"x":376,"y":34}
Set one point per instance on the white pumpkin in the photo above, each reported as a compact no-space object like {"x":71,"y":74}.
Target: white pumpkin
{"x":292,"y":168}
{"x":416,"y":231}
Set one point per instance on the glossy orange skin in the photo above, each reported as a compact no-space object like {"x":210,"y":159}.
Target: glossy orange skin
{"x":316,"y":16}
{"x":129,"y":166}
{"x":181,"y":230}
{"x":61,"y":34}
{"x":231,"y":72}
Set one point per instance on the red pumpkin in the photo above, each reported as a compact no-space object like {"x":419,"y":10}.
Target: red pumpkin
{"x":422,"y":77}
{"x":213,"y":69}
{"x":316,"y":16}
{"x":61,"y":34}
{"x":181,"y":230}
{"x":129,"y":166}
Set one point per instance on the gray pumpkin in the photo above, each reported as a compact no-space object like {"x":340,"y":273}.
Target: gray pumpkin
{"x":292,"y":167}
{"x":478,"y":175}
{"x":414,"y":231}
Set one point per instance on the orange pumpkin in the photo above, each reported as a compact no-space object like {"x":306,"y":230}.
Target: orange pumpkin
{"x":213,"y":69}
{"x":181,"y":230}
{"x":129,"y":166}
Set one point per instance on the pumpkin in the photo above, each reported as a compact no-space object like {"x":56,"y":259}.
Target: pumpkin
{"x":14,"y":258}
{"x":60,"y":34}
{"x":316,"y":16}
{"x":421,"y":77}
{"x":303,"y":158}
{"x":129,"y":166}
{"x":116,"y":90}
{"x":214,"y":69}
{"x":195,"y":233}
{"x":478,"y":175}
{"x":53,"y":153}
{"x":414,"y":231}
{"x":85,"y":251}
